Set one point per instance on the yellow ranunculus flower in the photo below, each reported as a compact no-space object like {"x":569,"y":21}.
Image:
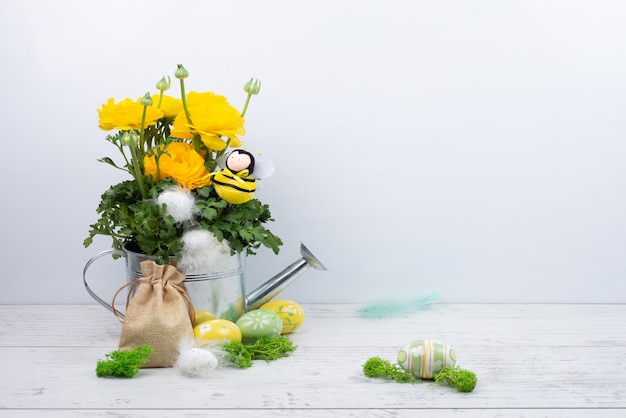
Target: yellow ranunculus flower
{"x":212,"y":117}
{"x":126,"y":115}
{"x":181,"y":163}
{"x":170,"y":106}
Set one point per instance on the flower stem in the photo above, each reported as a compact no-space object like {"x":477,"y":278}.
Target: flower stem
{"x":138,"y":173}
{"x":183,"y":95}
{"x":157,"y":157}
{"x":142,"y":131}
{"x":245,"y":106}
{"x":121,"y":148}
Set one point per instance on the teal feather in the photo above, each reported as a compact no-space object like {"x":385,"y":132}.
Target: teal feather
{"x":396,"y":308}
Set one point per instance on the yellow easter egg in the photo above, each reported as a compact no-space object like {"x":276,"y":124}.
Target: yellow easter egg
{"x":290,"y":312}
{"x":202,"y":316}
{"x":217,"y":330}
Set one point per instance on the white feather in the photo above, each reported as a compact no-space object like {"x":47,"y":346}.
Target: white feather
{"x":179,"y":204}
{"x":202,"y":252}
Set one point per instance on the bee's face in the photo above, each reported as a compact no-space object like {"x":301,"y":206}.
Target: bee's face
{"x":238,"y":161}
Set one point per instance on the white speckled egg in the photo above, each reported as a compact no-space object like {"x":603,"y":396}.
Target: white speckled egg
{"x":196,"y":362}
{"x":425,"y":358}
{"x":258,"y":324}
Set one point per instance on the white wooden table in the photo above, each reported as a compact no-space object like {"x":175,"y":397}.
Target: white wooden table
{"x":531,"y":361}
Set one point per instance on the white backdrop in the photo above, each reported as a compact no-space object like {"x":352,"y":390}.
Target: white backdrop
{"x":473,"y":148}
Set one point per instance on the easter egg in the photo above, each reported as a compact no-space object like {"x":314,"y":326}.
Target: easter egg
{"x":231,"y":313}
{"x":217,"y":330}
{"x":258,"y":324}
{"x":202,"y":316}
{"x":290,"y":313}
{"x":425,"y":358}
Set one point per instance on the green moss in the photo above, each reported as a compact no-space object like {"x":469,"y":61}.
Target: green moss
{"x":267,"y":348}
{"x":377,"y":367}
{"x":462,"y":380}
{"x":124,"y":363}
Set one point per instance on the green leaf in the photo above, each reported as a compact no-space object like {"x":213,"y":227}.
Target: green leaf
{"x":109,"y":161}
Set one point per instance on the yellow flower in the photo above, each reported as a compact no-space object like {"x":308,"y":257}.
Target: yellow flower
{"x":181,"y":163}
{"x":212,"y":117}
{"x":170,"y":106}
{"x":126,"y":115}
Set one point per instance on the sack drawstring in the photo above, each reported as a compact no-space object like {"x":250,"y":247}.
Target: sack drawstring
{"x":180,"y":289}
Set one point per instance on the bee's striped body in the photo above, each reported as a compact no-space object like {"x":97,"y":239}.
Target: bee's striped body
{"x":234,"y":188}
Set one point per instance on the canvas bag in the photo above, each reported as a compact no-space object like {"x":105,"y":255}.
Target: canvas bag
{"x":159,"y":314}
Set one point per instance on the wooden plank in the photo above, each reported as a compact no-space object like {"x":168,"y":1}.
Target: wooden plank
{"x":459,"y":325}
{"x":317,"y":377}
{"x":531,"y":360}
{"x":316,"y":413}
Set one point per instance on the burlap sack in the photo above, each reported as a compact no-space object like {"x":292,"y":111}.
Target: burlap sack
{"x":159,"y":314}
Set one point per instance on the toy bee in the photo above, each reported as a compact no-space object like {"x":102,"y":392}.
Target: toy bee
{"x":235,"y":183}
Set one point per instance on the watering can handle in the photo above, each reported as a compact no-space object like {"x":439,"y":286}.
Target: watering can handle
{"x":91,"y":292}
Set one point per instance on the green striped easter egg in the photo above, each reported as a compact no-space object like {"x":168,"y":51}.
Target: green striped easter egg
{"x":425,"y":358}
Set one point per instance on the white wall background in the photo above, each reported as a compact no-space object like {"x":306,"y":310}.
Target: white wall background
{"x":474,"y":148}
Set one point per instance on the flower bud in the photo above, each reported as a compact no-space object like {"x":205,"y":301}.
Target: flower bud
{"x":146,"y":100}
{"x":129,"y":138}
{"x":253,"y":86}
{"x":163,"y":84}
{"x":181,"y":73}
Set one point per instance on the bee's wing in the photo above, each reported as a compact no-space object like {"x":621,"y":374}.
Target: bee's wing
{"x":263,"y":168}
{"x":221,"y":160}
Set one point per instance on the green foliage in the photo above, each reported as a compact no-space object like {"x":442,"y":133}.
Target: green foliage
{"x":125,"y":217}
{"x":266,"y":348}
{"x":124,"y":363}
{"x":242,"y":226}
{"x":115,"y":211}
{"x":377,"y":367}
{"x":462,"y":380}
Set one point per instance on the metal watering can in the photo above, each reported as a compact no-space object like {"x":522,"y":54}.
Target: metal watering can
{"x":218,"y":290}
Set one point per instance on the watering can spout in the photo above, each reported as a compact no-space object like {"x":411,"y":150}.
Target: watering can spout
{"x":268,"y":290}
